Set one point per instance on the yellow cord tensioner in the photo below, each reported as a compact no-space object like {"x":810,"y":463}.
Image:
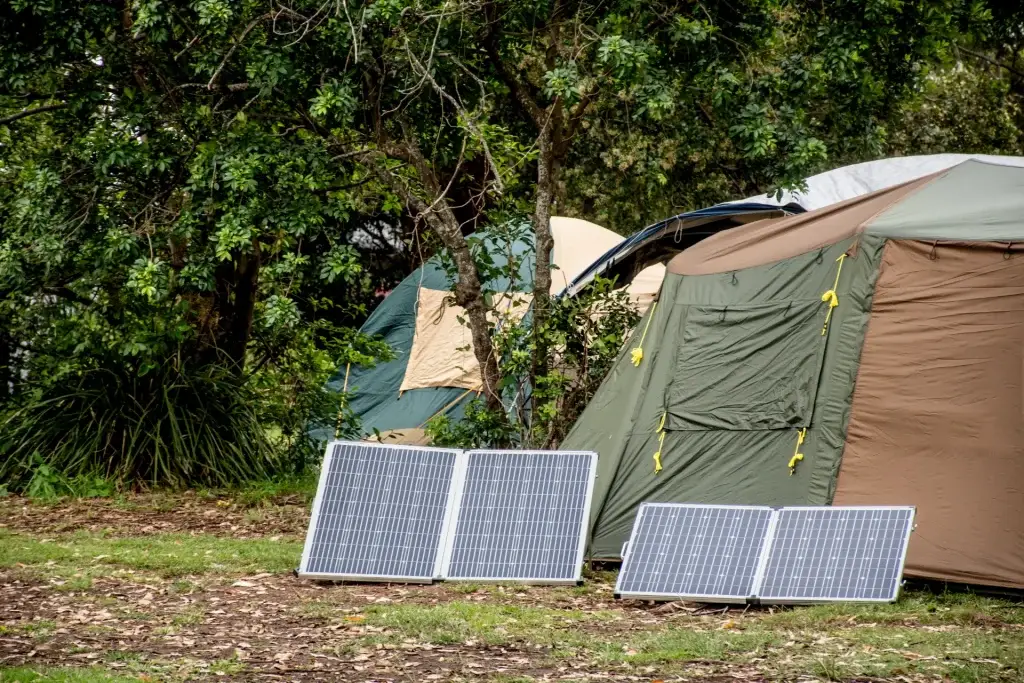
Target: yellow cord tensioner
{"x":831,"y":296}
{"x":661,"y":443}
{"x":797,"y":455}
{"x":637,"y":354}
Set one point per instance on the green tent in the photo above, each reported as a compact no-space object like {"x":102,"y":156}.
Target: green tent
{"x":434,"y":371}
{"x":866,"y":353}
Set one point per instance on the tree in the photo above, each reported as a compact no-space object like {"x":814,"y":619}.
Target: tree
{"x":184,"y":182}
{"x":159,"y":227}
{"x":472,"y":111}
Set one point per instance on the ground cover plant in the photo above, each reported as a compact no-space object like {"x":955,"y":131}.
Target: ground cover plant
{"x":198,"y":586}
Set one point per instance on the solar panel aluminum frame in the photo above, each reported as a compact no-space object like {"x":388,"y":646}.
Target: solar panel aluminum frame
{"x":723,"y":599}
{"x":788,"y":600}
{"x":451,"y":503}
{"x":456,"y":502}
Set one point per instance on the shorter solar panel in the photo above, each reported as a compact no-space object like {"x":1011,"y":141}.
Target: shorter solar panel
{"x":836,"y":553}
{"x":522,"y":516}
{"x":380,"y":513}
{"x":698,"y":552}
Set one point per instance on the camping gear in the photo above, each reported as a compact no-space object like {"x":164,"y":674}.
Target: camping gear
{"x":761,"y":555}
{"x":412,"y":514}
{"x":867,"y":353}
{"x":435,"y":371}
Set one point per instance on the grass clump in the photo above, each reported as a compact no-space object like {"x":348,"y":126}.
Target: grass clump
{"x":173,"y":425}
{"x":170,"y":555}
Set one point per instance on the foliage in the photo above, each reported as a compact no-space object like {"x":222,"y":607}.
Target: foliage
{"x":220,"y":187}
{"x":178,"y":277}
{"x":171,"y":425}
{"x":586,"y":333}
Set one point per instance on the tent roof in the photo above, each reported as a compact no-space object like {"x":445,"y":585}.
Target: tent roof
{"x":974,"y":201}
{"x":855,"y":180}
{"x":689,"y":227}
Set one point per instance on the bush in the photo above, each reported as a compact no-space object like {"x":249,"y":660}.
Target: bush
{"x":171,"y":426}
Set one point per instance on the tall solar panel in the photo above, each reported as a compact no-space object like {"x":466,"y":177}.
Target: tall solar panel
{"x":697,"y":552}
{"x":522,"y":516}
{"x":836,"y":553}
{"x":380,"y":513}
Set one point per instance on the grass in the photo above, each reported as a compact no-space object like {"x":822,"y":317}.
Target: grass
{"x":170,"y":555}
{"x":489,"y":624}
{"x":63,"y":675}
{"x":832,"y":642}
{"x":946,"y":636}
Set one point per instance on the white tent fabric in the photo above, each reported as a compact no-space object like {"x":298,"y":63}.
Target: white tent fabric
{"x":847,"y":182}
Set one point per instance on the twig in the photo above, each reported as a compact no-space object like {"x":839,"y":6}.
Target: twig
{"x":223,"y":62}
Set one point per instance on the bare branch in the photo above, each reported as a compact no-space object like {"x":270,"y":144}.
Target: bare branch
{"x":499,"y":186}
{"x":993,"y":62}
{"x":31,"y":111}
{"x":490,"y":41}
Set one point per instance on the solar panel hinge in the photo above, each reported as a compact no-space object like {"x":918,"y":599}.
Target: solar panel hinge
{"x":754,"y":600}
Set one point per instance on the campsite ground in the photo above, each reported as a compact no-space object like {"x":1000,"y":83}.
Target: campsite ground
{"x":198,"y":586}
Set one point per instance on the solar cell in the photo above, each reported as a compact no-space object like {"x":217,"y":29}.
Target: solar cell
{"x":521,"y":516}
{"x":380,"y":513}
{"x":699,"y":552}
{"x":836,"y":553}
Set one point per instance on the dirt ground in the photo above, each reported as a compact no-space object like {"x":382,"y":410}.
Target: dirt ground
{"x":110,"y":615}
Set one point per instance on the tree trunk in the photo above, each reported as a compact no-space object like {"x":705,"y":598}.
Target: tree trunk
{"x":240,"y":326}
{"x":469,"y":294}
{"x":234,"y":300}
{"x":546,"y":168}
{"x":468,"y":290}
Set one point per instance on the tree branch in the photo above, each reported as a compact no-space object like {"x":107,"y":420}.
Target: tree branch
{"x":223,"y":62}
{"x":490,"y":41}
{"x":31,"y":111}
{"x":991,"y":61}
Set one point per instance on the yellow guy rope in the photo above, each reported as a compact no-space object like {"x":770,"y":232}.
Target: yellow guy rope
{"x":661,"y":443}
{"x":638,"y":352}
{"x":831,"y":296}
{"x":797,"y":455}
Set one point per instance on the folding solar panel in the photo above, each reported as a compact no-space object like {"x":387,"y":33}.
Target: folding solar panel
{"x":836,"y":554}
{"x":380,"y":513}
{"x":521,"y":516}
{"x":698,"y":552}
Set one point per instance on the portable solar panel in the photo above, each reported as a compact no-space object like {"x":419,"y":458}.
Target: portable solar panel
{"x":380,"y":513}
{"x":697,"y":552}
{"x":826,"y":554}
{"x":521,"y":516}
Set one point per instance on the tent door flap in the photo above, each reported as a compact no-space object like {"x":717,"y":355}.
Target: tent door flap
{"x":747,"y":367}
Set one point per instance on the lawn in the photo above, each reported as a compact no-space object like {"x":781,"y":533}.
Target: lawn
{"x":164,"y":587}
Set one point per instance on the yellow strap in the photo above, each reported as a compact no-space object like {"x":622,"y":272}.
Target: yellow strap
{"x":797,"y":455}
{"x":831,"y":296}
{"x":661,"y":443}
{"x":638,"y":353}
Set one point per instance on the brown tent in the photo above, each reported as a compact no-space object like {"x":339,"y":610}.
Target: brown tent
{"x":867,"y":353}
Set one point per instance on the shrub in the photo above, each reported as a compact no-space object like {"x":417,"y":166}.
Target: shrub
{"x":171,"y":426}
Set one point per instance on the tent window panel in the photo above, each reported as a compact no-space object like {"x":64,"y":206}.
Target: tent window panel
{"x":750,"y":367}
